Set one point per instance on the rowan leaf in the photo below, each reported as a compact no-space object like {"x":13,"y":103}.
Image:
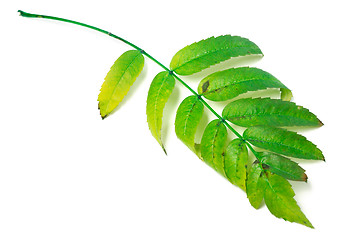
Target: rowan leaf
{"x":235,"y":162}
{"x":255,"y":185}
{"x":212,"y":145}
{"x":205,"y":53}
{"x":283,"y":166}
{"x":119,"y":79}
{"x":160,"y":90}
{"x":188,"y":116}
{"x":266,"y":178}
{"x":280,"y":202}
{"x":249,"y":112}
{"x":283,"y":142}
{"x":230,"y":83}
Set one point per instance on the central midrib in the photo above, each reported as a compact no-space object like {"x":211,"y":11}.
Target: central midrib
{"x":234,"y":83}
{"x":279,"y":144}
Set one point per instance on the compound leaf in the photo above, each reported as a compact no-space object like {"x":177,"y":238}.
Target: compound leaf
{"x":255,"y":185}
{"x":118,"y":80}
{"x":283,"y":166}
{"x":212,"y":145}
{"x":235,"y":163}
{"x":160,"y":90}
{"x":201,"y":55}
{"x":230,"y":83}
{"x":283,"y":142}
{"x":279,"y":200}
{"x":188,"y":116}
{"x":249,"y":112}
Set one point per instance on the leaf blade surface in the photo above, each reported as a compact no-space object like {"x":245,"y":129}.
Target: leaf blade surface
{"x":235,"y":163}
{"x":283,"y":142}
{"x":119,"y":79}
{"x":212,"y":145}
{"x":230,"y":83}
{"x":188,"y":116}
{"x":280,"y":202}
{"x":205,"y":53}
{"x":255,"y":185}
{"x":159,"y":92}
{"x":283,"y":166}
{"x":249,"y":112}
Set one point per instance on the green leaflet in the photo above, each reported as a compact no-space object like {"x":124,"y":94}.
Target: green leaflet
{"x":188,"y":116}
{"x":283,"y":142}
{"x":160,"y":90}
{"x":200,"y":55}
{"x":277,"y":193}
{"x":118,"y":80}
{"x":235,"y":163}
{"x":249,"y":112}
{"x":227,"y":84}
{"x":212,"y":145}
{"x":279,"y":200}
{"x":255,"y":185}
{"x":283,"y":166}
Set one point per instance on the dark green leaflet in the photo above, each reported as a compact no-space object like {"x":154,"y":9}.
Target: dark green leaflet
{"x":249,"y":112}
{"x":255,"y":185}
{"x":235,"y":162}
{"x":160,"y":90}
{"x":212,"y":145}
{"x":283,"y":142}
{"x":188,"y":116}
{"x":230,"y":83}
{"x":279,"y":200}
{"x":118,"y":80}
{"x":283,"y":166}
{"x":201,"y":55}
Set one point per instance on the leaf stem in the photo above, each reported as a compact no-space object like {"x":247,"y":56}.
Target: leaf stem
{"x":30,"y":15}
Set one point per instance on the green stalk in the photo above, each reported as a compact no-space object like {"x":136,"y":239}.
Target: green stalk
{"x":30,"y":15}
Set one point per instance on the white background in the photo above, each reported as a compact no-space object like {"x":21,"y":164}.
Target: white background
{"x":66,"y":174}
